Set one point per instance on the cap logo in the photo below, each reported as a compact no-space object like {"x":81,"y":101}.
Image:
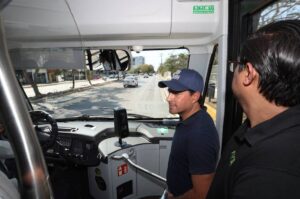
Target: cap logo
{"x":176,"y":75}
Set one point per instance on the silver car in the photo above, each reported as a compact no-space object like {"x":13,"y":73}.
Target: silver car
{"x":130,"y":81}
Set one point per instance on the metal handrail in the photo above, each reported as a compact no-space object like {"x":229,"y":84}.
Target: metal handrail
{"x":32,"y":170}
{"x":125,"y":157}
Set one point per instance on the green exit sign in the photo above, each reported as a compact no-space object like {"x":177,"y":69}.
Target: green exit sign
{"x":208,"y":9}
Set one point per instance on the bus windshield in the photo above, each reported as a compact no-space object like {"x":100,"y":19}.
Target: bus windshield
{"x":75,"y":92}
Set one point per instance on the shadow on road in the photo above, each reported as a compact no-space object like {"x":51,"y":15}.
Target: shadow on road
{"x":94,"y":100}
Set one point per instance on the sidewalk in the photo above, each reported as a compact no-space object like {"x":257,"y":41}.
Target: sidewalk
{"x":164,"y":91}
{"x":64,"y":86}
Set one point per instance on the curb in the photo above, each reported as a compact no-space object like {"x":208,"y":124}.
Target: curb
{"x":53,"y":94}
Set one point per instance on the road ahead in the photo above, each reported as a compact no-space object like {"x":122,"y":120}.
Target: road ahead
{"x":146,"y":99}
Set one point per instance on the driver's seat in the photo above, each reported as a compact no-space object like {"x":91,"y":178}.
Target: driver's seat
{"x":8,"y":189}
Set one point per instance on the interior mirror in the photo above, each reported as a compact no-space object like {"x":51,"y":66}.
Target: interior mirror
{"x":108,"y":59}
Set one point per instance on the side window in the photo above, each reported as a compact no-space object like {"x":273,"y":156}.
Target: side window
{"x":210,"y":91}
{"x":279,"y":10}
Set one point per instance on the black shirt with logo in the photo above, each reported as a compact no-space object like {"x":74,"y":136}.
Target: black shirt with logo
{"x":261,"y":162}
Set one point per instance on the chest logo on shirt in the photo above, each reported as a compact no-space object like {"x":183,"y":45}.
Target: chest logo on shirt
{"x":232,"y":157}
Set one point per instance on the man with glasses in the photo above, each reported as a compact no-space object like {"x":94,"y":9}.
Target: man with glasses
{"x":195,"y":145}
{"x":262,"y":159}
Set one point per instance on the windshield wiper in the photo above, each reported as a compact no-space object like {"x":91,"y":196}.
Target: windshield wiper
{"x":139,"y":116}
{"x":85,"y":117}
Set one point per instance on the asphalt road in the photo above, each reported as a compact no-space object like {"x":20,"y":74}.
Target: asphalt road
{"x":146,"y":99}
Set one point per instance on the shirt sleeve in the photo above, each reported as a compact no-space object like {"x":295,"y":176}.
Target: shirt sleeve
{"x":203,"y":150}
{"x":262,"y":183}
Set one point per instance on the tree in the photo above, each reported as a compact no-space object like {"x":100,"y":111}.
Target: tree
{"x":174,"y":63}
{"x":32,"y":83}
{"x":143,"y":68}
{"x":74,"y":72}
{"x":89,"y":75}
{"x":146,"y":68}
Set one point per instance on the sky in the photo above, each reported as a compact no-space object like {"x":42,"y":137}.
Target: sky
{"x":156,"y":57}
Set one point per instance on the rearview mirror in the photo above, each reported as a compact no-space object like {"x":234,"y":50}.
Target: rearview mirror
{"x":108,"y":59}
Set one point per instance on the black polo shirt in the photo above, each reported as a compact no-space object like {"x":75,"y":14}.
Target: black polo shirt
{"x":261,"y":162}
{"x":194,"y":151}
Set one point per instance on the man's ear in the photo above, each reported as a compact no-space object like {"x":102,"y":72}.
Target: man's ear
{"x":196,"y":96}
{"x":250,"y":74}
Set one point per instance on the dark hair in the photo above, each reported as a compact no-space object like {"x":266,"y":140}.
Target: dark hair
{"x":274,"y":51}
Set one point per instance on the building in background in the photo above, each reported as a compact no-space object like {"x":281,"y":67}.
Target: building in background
{"x":136,"y":61}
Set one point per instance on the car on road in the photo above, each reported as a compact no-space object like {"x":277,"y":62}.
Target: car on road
{"x":135,"y":76}
{"x":112,"y":76}
{"x":130,"y":81}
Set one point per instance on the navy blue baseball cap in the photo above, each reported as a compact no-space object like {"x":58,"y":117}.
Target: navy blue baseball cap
{"x":184,"y":79}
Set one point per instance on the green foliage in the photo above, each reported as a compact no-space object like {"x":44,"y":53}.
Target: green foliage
{"x":174,"y":63}
{"x":144,"y":68}
{"x":58,"y":72}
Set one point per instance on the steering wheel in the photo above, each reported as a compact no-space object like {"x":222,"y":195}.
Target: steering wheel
{"x":46,"y":128}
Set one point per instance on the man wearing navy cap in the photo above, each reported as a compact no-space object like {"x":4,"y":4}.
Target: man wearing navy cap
{"x":195,"y":145}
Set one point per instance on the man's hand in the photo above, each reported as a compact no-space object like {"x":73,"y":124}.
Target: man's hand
{"x":2,"y":129}
{"x":170,"y":195}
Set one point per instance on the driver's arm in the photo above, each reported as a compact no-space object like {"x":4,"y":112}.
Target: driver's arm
{"x":7,"y":188}
{"x":6,"y":151}
{"x":201,"y":184}
{"x":2,"y":129}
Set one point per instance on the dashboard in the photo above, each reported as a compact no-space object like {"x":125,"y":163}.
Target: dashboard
{"x":82,"y":142}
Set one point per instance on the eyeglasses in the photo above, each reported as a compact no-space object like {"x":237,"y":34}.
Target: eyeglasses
{"x":234,"y":64}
